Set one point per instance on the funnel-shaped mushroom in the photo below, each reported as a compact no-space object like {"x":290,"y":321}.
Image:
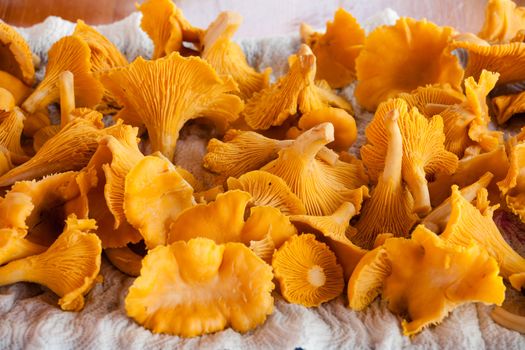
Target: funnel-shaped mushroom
{"x":423,"y":149}
{"x":70,"y":149}
{"x":11,"y":127}
{"x":198,"y":287}
{"x":69,"y":267}
{"x":390,"y":207}
{"x":69,"y":53}
{"x":241,"y":152}
{"x":503,"y":19}
{"x":155,"y":193}
{"x":470,"y":224}
{"x":437,"y":219}
{"x":332,"y":230}
{"x":513,"y":185}
{"x":430,"y":277}
{"x":467,"y":123}
{"x":505,"y":59}
{"x":166,"y":26}
{"x":469,"y":170}
{"x":402,"y":57}
{"x":294,"y":91}
{"x":322,"y":187}
{"x":221,"y":220}
{"x":507,"y":105}
{"x":15,"y":55}
{"x":16,"y":87}
{"x":307,"y":271}
{"x":226,"y":56}
{"x":164,"y":94}
{"x":345,"y":130}
{"x":432,"y":99}
{"x":268,"y":190}
{"x":336,"y":49}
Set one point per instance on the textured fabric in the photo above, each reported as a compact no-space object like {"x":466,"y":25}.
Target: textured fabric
{"x":30,"y":317}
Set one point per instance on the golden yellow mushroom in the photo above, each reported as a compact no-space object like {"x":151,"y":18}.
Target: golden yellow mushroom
{"x":16,"y":57}
{"x":321,"y":186}
{"x":469,"y":223}
{"x":432,"y":99}
{"x":466,"y":274}
{"x":402,"y":57}
{"x":69,"y":53}
{"x":199,"y":287}
{"x":336,"y":49}
{"x":423,"y":149}
{"x":14,"y":245}
{"x":345,"y":129}
{"x":69,"y":267}
{"x":125,"y":260}
{"x":307,"y":271}
{"x":11,"y":127}
{"x":166,"y":26}
{"x":154,"y":195}
{"x":508,"y":105}
{"x":227,"y":57}
{"x":334,"y":230}
{"x":268,"y":190}
{"x":366,"y":282}
{"x":390,"y":207}
{"x":241,"y":152}
{"x":145,"y":90}
{"x":503,"y":19}
{"x":15,"y":86}
{"x":293,"y":92}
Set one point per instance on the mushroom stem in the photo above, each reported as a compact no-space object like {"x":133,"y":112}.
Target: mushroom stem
{"x":13,"y":272}
{"x":394,"y":153}
{"x":344,"y":213}
{"x":38,"y":98}
{"x":438,"y":218}
{"x":418,"y":186}
{"x":312,"y":141}
{"x":67,"y":96}
{"x":226,"y":24}
{"x":23,"y":248}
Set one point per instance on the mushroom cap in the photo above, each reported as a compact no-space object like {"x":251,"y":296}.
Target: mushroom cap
{"x":337,"y":49}
{"x":503,"y":19}
{"x":154,"y":195}
{"x":16,"y":57}
{"x":70,"y":149}
{"x":145,"y":90}
{"x":69,"y":267}
{"x":432,"y":99}
{"x":226,"y":225}
{"x":334,"y":231}
{"x":267,"y":221}
{"x":268,"y":190}
{"x":321,"y":186}
{"x":241,"y":152}
{"x":11,"y":127}
{"x":125,"y":260}
{"x":466,"y":274}
{"x":413,"y":53}
{"x":70,"y":53}
{"x":366,"y":282}
{"x":198,"y":287}
{"x":227,"y":57}
{"x":345,"y":129}
{"x":469,"y":223}
{"x":505,"y":59}
{"x":307,"y":271}
{"x":7,"y":100}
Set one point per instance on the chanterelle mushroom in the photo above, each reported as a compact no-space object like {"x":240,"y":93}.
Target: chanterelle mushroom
{"x":503,"y":19}
{"x":423,"y":149}
{"x":15,"y":55}
{"x":226,"y":57}
{"x":198,"y":287}
{"x":321,"y":186}
{"x":165,"y":93}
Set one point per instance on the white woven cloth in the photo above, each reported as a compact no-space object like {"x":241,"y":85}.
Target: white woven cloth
{"x":31,"y":319}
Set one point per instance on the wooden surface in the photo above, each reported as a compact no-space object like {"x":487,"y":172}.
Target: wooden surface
{"x":261,"y":17}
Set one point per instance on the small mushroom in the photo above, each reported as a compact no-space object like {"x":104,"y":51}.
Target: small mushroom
{"x":307,"y":271}
{"x":336,"y":49}
{"x":402,"y":57}
{"x":226,"y":56}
